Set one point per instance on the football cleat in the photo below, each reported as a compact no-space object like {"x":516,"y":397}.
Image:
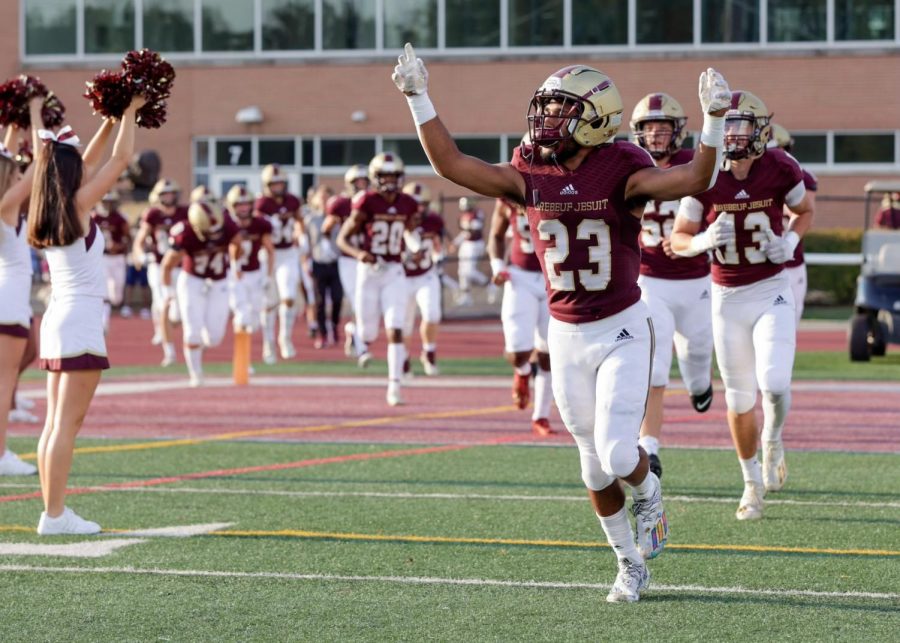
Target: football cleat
{"x":348,"y":345}
{"x":703,"y":401}
{"x":631,"y":579}
{"x":68,"y":522}
{"x":196,"y":381}
{"x":393,"y":394}
{"x":364,"y":358}
{"x":520,"y":392}
{"x":287,"y":349}
{"x":156,"y":340}
{"x":24,"y":402}
{"x":11,"y":465}
{"x":651,"y":524}
{"x":541,"y":427}
{"x":168,"y":360}
{"x":268,"y":354}
{"x":774,"y":468}
{"x":21,"y":415}
{"x":126,"y":312}
{"x":430,"y":367}
{"x":751,"y":507}
{"x":655,"y":465}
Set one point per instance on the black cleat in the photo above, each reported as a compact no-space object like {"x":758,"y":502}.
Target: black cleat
{"x":655,"y":465}
{"x":703,"y":402}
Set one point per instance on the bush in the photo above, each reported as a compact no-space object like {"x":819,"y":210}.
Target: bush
{"x":834,"y":285}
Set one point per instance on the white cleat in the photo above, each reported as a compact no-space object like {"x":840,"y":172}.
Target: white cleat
{"x":269,"y":353}
{"x":11,"y":465}
{"x":196,"y":381}
{"x":774,"y":468}
{"x":24,"y":402}
{"x":363,"y":360}
{"x":348,"y":346}
{"x":68,"y":522}
{"x":23,"y":416}
{"x":650,"y":522}
{"x":430,"y":369}
{"x":631,"y":579}
{"x":167,"y":360}
{"x":287,"y":349}
{"x":393,"y":394}
{"x":157,"y":339}
{"x":751,"y":507}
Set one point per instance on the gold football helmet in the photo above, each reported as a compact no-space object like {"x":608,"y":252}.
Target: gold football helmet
{"x":382,"y":167}
{"x":781,"y":138}
{"x":164,"y":186}
{"x":589,"y":112}
{"x":418,"y":191}
{"x":238,"y":194}
{"x":353,"y":174}
{"x":658,"y":107}
{"x":201,"y":193}
{"x":273,"y":174}
{"x":747,"y":126}
{"x":206,"y":218}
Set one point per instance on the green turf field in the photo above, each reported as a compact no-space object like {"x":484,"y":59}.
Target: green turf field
{"x":377,"y":550}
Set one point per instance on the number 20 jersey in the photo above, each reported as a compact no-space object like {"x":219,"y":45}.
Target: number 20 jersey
{"x":585,"y":236}
{"x":384,"y":223}
{"x":756,"y":204}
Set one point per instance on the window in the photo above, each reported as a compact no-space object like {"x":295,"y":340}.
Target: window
{"x":796,"y":20}
{"x":347,"y":151}
{"x":279,"y":151}
{"x":50,"y":27}
{"x":665,"y":21}
{"x":864,"y":148}
{"x":599,"y":22}
{"x":535,"y":23}
{"x":108,"y":26}
{"x":307,"y":152}
{"x":864,"y":20}
{"x":730,"y":20}
{"x":201,"y":152}
{"x":473,"y":23}
{"x":288,"y":24}
{"x":234,"y":153}
{"x":169,"y":25}
{"x":810,"y":148}
{"x":227,"y":25}
{"x":412,"y":21}
{"x":408,"y":149}
{"x":486,"y":149}
{"x":348,"y":24}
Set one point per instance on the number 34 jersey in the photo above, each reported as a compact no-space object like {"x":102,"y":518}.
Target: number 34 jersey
{"x":754,"y":206}
{"x":585,"y":236}
{"x":207,"y":259}
{"x":384,"y":223}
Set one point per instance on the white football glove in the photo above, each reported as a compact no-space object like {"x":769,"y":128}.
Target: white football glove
{"x":410,"y":75}
{"x":720,"y":232}
{"x":714,"y":91}
{"x":781,"y":249}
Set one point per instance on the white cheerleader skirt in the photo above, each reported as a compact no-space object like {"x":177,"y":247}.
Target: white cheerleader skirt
{"x":15,"y":306}
{"x":72,"y":335}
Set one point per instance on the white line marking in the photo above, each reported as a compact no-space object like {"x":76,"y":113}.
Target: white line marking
{"x":430,"y":580}
{"x":183,"y":531}
{"x":86,"y":549}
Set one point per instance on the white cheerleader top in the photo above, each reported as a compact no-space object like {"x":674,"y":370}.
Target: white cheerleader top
{"x":15,"y":256}
{"x":77,"y":270}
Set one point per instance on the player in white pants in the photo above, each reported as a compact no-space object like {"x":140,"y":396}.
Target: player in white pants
{"x":117,"y":238}
{"x":754,"y":324}
{"x":471,"y":247}
{"x":248,"y":293}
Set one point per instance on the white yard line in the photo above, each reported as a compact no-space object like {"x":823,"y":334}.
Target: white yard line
{"x":431,"y":580}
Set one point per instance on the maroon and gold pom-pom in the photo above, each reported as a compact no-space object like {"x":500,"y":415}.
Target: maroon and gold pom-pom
{"x":109,"y":94}
{"x":143,"y":73}
{"x":15,"y":95}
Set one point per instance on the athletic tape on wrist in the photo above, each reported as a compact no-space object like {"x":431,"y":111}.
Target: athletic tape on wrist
{"x":421,"y":108}
{"x":497,"y":266}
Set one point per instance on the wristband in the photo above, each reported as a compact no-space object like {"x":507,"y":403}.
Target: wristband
{"x":497,"y":266}
{"x":421,"y":108}
{"x":699,"y":244}
{"x":713,"y":132}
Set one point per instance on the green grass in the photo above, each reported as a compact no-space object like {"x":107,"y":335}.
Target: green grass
{"x":837,"y":313}
{"x":116,"y":606}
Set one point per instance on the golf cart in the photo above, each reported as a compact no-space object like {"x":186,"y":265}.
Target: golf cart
{"x":876,"y":322}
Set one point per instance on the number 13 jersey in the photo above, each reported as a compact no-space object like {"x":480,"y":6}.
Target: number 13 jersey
{"x":384,"y":223}
{"x":585,"y":236}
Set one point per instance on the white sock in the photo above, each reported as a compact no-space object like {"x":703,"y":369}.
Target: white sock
{"x":752,"y":470}
{"x":775,"y":410}
{"x":620,"y":536}
{"x":524,"y":369}
{"x":193,"y":357}
{"x":650,"y":444}
{"x":543,"y":394}
{"x":396,"y":353}
{"x":429,"y":348}
{"x":268,"y":326}
{"x":286,"y":317}
{"x":645,"y":488}
{"x":168,"y":350}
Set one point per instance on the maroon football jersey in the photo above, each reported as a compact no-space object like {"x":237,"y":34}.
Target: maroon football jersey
{"x":812,"y":185}
{"x":585,"y":236}
{"x":160,"y":223}
{"x":282,"y":214}
{"x":384,"y":223}
{"x":755,"y":205}
{"x":252,"y":231}
{"x":658,"y":222}
{"x":116,"y":231}
{"x":521,"y":251}
{"x":431,"y":230}
{"x":341,"y":206}
{"x":207,"y":259}
{"x":471,"y":224}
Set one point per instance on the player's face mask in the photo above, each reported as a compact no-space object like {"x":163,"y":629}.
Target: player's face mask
{"x":739,"y":134}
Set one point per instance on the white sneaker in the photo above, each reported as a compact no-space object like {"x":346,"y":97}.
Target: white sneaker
{"x":145,"y":313}
{"x":363,"y":360}
{"x":24,"y":402}
{"x":650,"y":522}
{"x":126,"y":312}
{"x":287,"y":349}
{"x":21,"y":415}
{"x":393,"y":394}
{"x":430,"y":369}
{"x":774,"y":468}
{"x":156,"y":340}
{"x":751,"y":507}
{"x":68,"y":522}
{"x":196,"y":381}
{"x":167,"y":360}
{"x":269,"y":353}
{"x":11,"y":465}
{"x":631,"y":579}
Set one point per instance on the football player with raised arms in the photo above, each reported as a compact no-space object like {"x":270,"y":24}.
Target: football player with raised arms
{"x":523,"y":312}
{"x":584,"y":195}
{"x":282,"y":209}
{"x":164,"y":212}
{"x":754,"y":327}
{"x":248,"y":294}
{"x":384,"y":215}
{"x":205,"y":245}
{"x":676,"y":289}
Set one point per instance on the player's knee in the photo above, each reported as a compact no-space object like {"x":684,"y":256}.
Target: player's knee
{"x":740,"y":401}
{"x":659,"y":377}
{"x":774,"y":397}
{"x":593,"y":476}
{"x":776,"y":383}
{"x":619,"y":457}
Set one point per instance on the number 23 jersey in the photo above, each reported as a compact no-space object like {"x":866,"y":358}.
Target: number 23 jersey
{"x":585,"y":236}
{"x":384,"y":223}
{"x":754,"y":206}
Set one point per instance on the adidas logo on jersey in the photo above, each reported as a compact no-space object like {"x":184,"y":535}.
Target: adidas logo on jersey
{"x":569,"y":190}
{"x":623,"y":336}
{"x":704,"y":295}
{"x":742,"y":195}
